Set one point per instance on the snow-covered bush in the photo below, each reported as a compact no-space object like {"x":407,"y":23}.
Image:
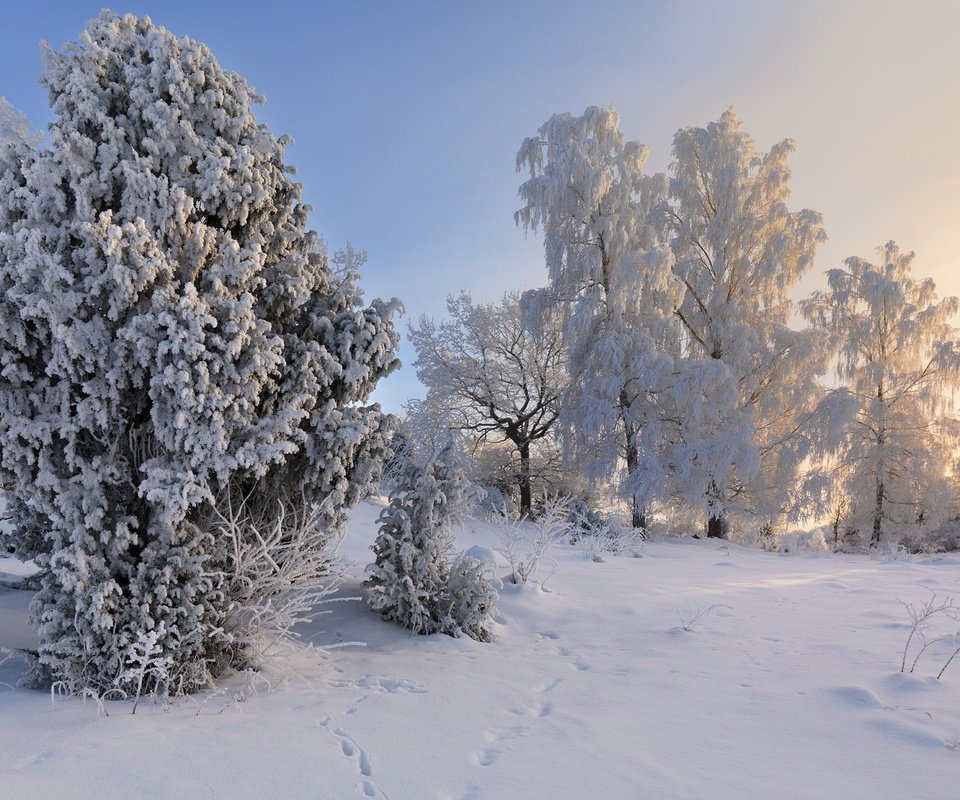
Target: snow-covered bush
{"x":889,"y":552}
{"x":495,"y":505}
{"x":471,"y":600}
{"x":613,"y":538}
{"x":598,"y":534}
{"x":171,"y":334}
{"x":276,"y":569}
{"x":410,"y":579}
{"x":928,"y":539}
{"x":525,"y":544}
{"x":765,"y":537}
{"x":583,"y":520}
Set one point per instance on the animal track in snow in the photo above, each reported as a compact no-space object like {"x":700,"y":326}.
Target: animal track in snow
{"x":376,"y":687}
{"x":489,"y":754}
{"x":351,"y":750}
{"x":550,"y":685}
{"x":577,"y":663}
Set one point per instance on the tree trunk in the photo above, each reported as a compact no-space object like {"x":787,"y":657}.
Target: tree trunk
{"x":717,"y":523}
{"x":523,"y":479}
{"x":717,"y":527}
{"x":878,"y":508}
{"x":639,"y":513}
{"x":878,"y":512}
{"x":836,"y":525}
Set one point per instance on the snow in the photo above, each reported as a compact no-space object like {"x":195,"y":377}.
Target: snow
{"x":788,"y":687}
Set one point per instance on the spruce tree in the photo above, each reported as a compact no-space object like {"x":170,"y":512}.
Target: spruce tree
{"x":411,"y":569}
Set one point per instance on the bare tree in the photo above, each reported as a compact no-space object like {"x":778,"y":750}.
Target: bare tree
{"x":490,"y":376}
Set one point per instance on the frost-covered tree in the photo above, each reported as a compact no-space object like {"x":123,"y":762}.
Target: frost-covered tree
{"x":14,"y":126}
{"x":737,"y":252}
{"x":901,"y":358}
{"x":492,"y":377}
{"x":171,"y":335}
{"x":409,"y":577}
{"x":630,"y":400}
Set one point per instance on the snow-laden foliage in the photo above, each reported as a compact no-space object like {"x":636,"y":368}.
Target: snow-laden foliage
{"x":598,"y":534}
{"x":470,"y":598}
{"x":410,"y":581}
{"x":629,"y":400}
{"x":494,"y":378}
{"x":14,"y":127}
{"x":171,"y":334}
{"x":277,"y":569}
{"x":738,"y":250}
{"x":900,"y":355}
{"x":525,"y":542}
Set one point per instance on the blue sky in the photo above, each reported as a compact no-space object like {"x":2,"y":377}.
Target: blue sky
{"x":407,"y":116}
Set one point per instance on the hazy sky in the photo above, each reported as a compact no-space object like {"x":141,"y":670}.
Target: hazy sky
{"x":407,"y":116}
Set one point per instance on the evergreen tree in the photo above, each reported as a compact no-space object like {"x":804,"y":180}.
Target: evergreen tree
{"x":470,"y":599}
{"x":171,"y":335}
{"x":411,"y":570}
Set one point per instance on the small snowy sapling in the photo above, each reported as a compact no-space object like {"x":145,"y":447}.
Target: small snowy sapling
{"x":411,"y":580}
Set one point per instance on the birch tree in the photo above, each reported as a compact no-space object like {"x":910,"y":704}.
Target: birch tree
{"x":634,"y":396}
{"x":899,"y":354}
{"x":737,"y":252}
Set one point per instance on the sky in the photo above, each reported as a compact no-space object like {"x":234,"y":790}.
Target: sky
{"x":407,"y":116}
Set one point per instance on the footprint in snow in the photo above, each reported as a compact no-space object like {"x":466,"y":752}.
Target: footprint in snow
{"x":578,"y":663}
{"x":378,"y":686}
{"x":351,"y":750}
{"x":488,"y":755}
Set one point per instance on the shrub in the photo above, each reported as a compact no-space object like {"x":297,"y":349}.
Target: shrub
{"x":471,"y":600}
{"x":411,"y":580}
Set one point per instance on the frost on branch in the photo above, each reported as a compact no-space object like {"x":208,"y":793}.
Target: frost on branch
{"x":496,"y":380}
{"x":411,"y":580}
{"x":900,"y":355}
{"x":639,"y":395}
{"x":171,"y":334}
{"x":737,"y":251}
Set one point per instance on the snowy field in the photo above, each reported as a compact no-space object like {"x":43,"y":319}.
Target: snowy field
{"x":790,"y":687}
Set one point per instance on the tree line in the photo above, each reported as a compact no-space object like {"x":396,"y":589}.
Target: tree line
{"x":661,"y":357}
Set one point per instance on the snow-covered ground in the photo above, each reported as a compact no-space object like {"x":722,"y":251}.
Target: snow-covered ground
{"x":788,"y":688}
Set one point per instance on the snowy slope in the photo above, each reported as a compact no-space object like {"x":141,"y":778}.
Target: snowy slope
{"x":789,"y":688}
